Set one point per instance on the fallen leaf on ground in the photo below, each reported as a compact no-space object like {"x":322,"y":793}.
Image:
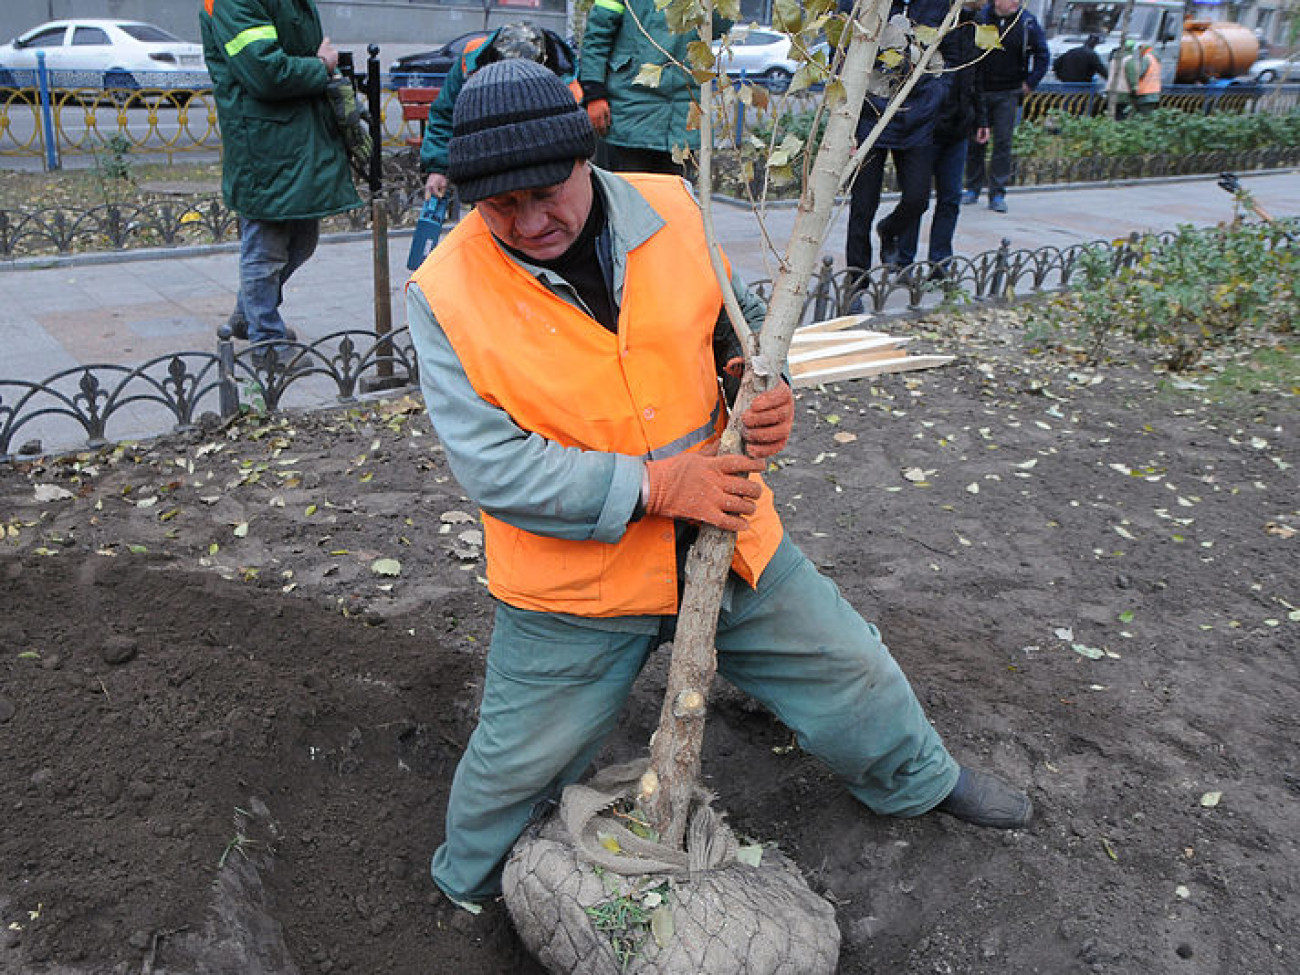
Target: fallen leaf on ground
{"x":52,"y":492}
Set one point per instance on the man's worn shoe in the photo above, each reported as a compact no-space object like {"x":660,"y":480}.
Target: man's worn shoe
{"x":998,"y":204}
{"x":889,"y":256}
{"x":970,"y":196}
{"x":982,"y":799}
{"x":237,"y":326}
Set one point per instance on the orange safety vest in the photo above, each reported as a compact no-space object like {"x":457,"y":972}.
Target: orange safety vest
{"x":650,"y":391}
{"x":1149,"y":83}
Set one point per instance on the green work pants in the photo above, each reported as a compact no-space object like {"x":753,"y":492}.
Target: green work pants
{"x":554,"y":689}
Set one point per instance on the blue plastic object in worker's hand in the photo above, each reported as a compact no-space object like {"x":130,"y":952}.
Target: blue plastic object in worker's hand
{"x":427,"y":230}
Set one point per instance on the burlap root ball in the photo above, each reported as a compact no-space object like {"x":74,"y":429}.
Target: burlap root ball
{"x":730,"y":919}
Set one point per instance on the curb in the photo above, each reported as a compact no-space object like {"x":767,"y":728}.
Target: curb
{"x":166,"y":253}
{"x":1039,"y":188}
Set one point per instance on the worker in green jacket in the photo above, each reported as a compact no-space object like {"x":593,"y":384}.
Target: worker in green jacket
{"x":641,"y":125}
{"x":515,"y":40}
{"x":284,"y":163}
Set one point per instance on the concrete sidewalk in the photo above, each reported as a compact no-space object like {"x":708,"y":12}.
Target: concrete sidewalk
{"x":126,"y":310}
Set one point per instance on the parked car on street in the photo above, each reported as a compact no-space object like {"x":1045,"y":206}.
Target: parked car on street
{"x":430,"y":68}
{"x":102,"y":53}
{"x":761,"y":55}
{"x":1267,"y":70}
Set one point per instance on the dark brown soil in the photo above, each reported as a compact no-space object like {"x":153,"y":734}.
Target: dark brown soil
{"x":227,"y":740}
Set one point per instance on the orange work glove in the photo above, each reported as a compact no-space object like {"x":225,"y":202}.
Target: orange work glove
{"x":768,"y":421}
{"x":702,"y":488}
{"x":598,"y":112}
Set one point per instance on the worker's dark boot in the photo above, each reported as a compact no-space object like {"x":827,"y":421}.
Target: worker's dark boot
{"x":889,"y":256}
{"x":236,"y":327}
{"x":982,"y":799}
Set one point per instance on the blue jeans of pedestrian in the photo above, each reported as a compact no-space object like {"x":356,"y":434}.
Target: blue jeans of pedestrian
{"x":912,"y":167}
{"x":554,"y":689}
{"x":1004,"y":114}
{"x":949,"y":164}
{"x":269,"y":252}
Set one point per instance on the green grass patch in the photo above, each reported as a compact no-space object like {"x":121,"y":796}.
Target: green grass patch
{"x":1268,"y":369}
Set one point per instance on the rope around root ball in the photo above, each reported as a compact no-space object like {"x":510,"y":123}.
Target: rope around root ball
{"x":589,"y":896}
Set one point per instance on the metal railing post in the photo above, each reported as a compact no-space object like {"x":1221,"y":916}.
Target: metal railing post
{"x":379,"y":228}
{"x":47,"y":115}
{"x":1001,"y":270}
{"x":227,"y":388}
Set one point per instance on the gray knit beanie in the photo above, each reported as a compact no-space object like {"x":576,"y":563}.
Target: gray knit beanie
{"x":516,"y":126}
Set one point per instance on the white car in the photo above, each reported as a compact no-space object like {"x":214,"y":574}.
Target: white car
{"x":762,"y":56}
{"x":107,"y":53}
{"x":1268,"y":70}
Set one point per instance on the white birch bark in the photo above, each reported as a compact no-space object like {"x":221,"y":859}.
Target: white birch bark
{"x":670,"y":785}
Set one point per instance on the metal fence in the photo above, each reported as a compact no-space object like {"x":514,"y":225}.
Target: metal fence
{"x":167,"y":221}
{"x":182,"y":118}
{"x":171,"y":221}
{"x":98,"y":402}
{"x":167,"y":122}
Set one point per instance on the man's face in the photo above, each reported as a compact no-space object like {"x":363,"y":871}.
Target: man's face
{"x":1005,"y":8}
{"x":542,"y":223}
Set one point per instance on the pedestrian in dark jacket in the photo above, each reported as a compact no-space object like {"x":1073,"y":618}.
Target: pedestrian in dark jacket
{"x":909,"y":139}
{"x":516,"y":40}
{"x":284,"y":164}
{"x":1007,"y":75}
{"x":1079,"y":65}
{"x":961,"y":119}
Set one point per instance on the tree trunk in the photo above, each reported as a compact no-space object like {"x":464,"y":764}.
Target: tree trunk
{"x":669,"y":786}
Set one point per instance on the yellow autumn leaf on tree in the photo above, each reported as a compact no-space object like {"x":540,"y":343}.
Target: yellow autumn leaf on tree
{"x":890,"y":58}
{"x":986,"y":38}
{"x":926,"y":35}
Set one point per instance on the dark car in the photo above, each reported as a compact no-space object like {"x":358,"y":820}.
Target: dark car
{"x":430,"y":68}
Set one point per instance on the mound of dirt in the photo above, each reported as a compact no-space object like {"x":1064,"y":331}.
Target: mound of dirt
{"x":239,"y":667}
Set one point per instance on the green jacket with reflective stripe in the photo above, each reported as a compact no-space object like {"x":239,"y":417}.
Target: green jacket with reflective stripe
{"x":282,"y":156}
{"x":613,"y":49}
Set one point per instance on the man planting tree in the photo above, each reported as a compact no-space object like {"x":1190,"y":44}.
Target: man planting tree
{"x":576,"y":390}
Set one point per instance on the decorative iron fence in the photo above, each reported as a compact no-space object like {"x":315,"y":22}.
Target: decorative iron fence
{"x":168,"y":221}
{"x":177,"y":390}
{"x":163,"y":121}
{"x":996,"y":275}
{"x":180,"y":388}
{"x":1197,"y":99}
{"x":182,"y":117}
{"x":1099,"y":169}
